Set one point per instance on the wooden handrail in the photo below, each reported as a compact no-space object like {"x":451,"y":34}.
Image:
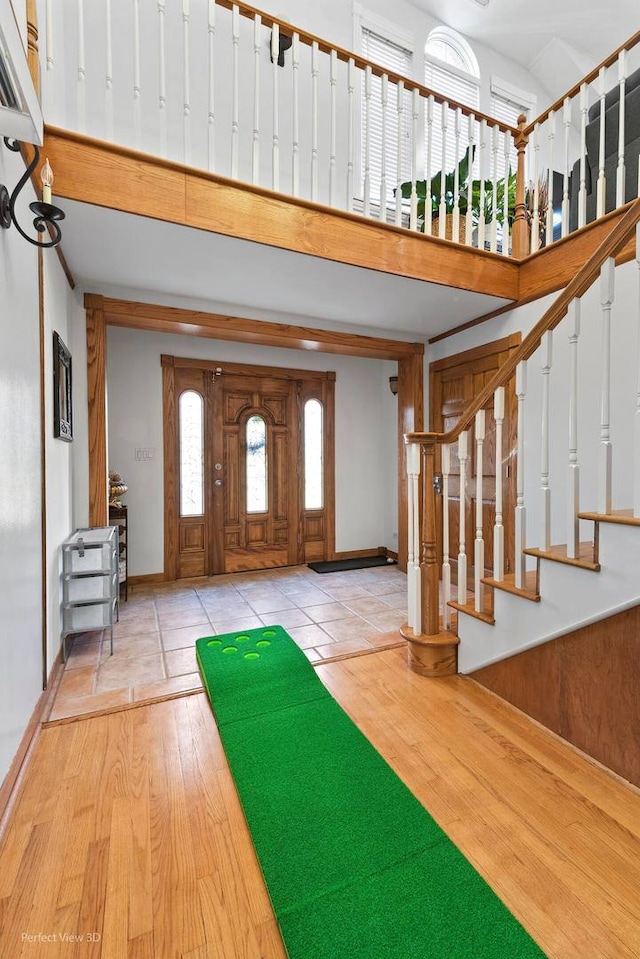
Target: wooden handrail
{"x":627,"y":45}
{"x":268,"y":20}
{"x":611,"y":245}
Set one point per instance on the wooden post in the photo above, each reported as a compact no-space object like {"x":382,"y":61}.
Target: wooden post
{"x":32,"y":44}
{"x":410,"y":419}
{"x":520,"y":235}
{"x":97,"y":398}
{"x":429,"y":579}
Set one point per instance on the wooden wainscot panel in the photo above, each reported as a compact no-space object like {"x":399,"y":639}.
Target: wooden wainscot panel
{"x":192,"y":537}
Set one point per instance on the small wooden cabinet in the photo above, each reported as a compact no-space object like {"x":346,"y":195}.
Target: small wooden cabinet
{"x":119,"y":516}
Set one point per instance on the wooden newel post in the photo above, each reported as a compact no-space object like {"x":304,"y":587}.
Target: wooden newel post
{"x":429,"y":579}
{"x":32,"y":44}
{"x":520,"y":236}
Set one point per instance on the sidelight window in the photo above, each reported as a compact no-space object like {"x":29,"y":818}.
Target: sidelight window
{"x":256,"y":457}
{"x":191,"y":454}
{"x":313,"y":458}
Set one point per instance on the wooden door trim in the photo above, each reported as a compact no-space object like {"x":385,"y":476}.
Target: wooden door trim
{"x":249,"y":369}
{"x":97,"y":409}
{"x":170,"y":484}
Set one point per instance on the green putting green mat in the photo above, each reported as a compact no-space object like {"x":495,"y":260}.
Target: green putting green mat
{"x":356,"y":868}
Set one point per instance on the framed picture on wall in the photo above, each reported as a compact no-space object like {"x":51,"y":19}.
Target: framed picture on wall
{"x":62,"y":405}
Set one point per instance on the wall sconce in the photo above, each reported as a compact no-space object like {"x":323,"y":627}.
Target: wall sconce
{"x":45,"y":213}
{"x":393,"y":385}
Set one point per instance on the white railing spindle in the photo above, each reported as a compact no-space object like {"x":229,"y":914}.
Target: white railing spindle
{"x":573,"y":484}
{"x":399,"y":144}
{"x":257,"y":50}
{"x":521,"y":514}
{"x":428,"y":205}
{"x":367,"y":141}
{"x":602,"y":183}
{"x":442,"y":210}
{"x":478,"y":553}
{"x":472,"y":166}
{"x":137,"y":88}
{"x":605,"y":458}
{"x":81,"y":83}
{"x":211,"y":111}
{"x":351,"y":69}
{"x":295,"y":158}
{"x":413,"y":525}
{"x":546,"y":345}
{"x":551,"y":137}
{"x":566,"y":119}
{"x":275,"y":143}
{"x":498,"y":528}
{"x":162,"y":79}
{"x":505,"y":199}
{"x":446,"y":565}
{"x":48,"y":14}
{"x":333,"y":80}
{"x":314,"y":119}
{"x":455,"y":233}
{"x":620,"y":172}
{"x":535,"y":217}
{"x":384,"y":95}
{"x":186,"y":82}
{"x":582,"y":189}
{"x":495,"y":146}
{"x":482,"y":166}
{"x":415,"y":116}
{"x":108,"y":73}
{"x":463,"y":447}
{"x":235,"y":101}
{"x":636,"y":470}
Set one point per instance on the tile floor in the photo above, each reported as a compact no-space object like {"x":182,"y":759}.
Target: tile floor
{"x":328,"y":615}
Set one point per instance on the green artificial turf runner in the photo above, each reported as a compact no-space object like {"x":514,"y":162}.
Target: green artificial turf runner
{"x":356,"y":868}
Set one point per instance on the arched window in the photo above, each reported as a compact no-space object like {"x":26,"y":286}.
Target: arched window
{"x":190,"y":413}
{"x":313,"y":458}
{"x":256,"y":463}
{"x":451,"y":69}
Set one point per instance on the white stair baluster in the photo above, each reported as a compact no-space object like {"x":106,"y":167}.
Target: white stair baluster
{"x":415,"y":116}
{"x":314,"y":120}
{"x":498,"y":528}
{"x":521,"y":515}
{"x":275,"y":147}
{"x":546,"y":345}
{"x":384,"y":96}
{"x":255,"y":146}
{"x":455,"y":233}
{"x":108,"y":73}
{"x":81,"y":84}
{"x":495,"y":133}
{"x":566,"y":119}
{"x":620,"y":172}
{"x":636,"y":470}
{"x":551,"y":137}
{"x":162,"y":80}
{"x":428,"y":203}
{"x":473,"y":164}
{"x":573,"y":484}
{"x":482,"y":166}
{"x":186,"y":82}
{"x":582,"y":189}
{"x":235,"y":101}
{"x":602,"y":183}
{"x":211,"y":111}
{"x":505,"y":200}
{"x":413,"y":528}
{"x":442,"y":209}
{"x":446,"y":565}
{"x":137,"y":88}
{"x":367,"y":141}
{"x":333,"y":80}
{"x":48,"y":13}
{"x":295,"y":158}
{"x":535,"y":218}
{"x":351,"y":70}
{"x":462,"y":548}
{"x":478,"y":553}
{"x":605,"y":457}
{"x":399,"y":144}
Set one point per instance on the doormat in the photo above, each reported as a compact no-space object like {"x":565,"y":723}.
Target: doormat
{"x":359,"y":562}
{"x":354,"y":864}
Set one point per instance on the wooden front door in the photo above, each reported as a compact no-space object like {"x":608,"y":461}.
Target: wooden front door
{"x":454,"y":382}
{"x":236,"y":496}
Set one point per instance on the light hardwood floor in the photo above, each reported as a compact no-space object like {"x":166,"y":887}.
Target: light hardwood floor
{"x":128,"y":826}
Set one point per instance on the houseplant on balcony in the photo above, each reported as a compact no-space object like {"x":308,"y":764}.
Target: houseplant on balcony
{"x":435,"y":193}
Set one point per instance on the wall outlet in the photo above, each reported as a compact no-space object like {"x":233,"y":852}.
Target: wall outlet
{"x":145,"y":453}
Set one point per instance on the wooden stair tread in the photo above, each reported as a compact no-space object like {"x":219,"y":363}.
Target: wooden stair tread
{"x":558,"y":554}
{"x":624,"y":517}
{"x":508,"y":584}
{"x":486,"y":616}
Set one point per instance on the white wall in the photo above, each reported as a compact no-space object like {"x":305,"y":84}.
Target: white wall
{"x":366,"y":453}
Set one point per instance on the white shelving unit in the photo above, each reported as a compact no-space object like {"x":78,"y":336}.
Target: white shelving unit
{"x":89,"y":582}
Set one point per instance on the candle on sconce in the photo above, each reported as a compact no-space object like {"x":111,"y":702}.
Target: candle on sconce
{"x":46,"y":175}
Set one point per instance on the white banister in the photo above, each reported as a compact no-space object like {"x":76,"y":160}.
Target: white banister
{"x":551,"y":137}
{"x":333,"y":79}
{"x":295,"y":123}
{"x":211,"y":110}
{"x":235,"y":102}
{"x":275,"y":142}
{"x":495,"y":147}
{"x":478,"y":553}
{"x":137,"y":88}
{"x":582,"y":189}
{"x":415,"y":116}
{"x":108,"y":73}
{"x":520,"y":566}
{"x":446,"y":565}
{"x":255,"y":143}
{"x":162,"y":79}
{"x":620,"y":171}
{"x":81,"y":83}
{"x":505,"y":198}
{"x":546,"y":345}
{"x":428,"y":205}
{"x":399,"y":145}
{"x":605,"y":457}
{"x":573,"y":484}
{"x":468,"y":237}
{"x":455,"y":233}
{"x":566,"y":119}
{"x":367,"y":142}
{"x":498,"y":528}
{"x":482,"y":165}
{"x":351,"y":120}
{"x":314,"y":119}
{"x":186,"y":82}
{"x":384,"y":95}
{"x":442,"y":209}
{"x":636,"y":470}
{"x":462,"y":547}
{"x":413,"y":527}
{"x":602,"y":183}
{"x":535,"y":218}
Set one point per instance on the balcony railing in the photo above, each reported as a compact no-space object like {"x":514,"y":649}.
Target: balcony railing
{"x":226,"y":88}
